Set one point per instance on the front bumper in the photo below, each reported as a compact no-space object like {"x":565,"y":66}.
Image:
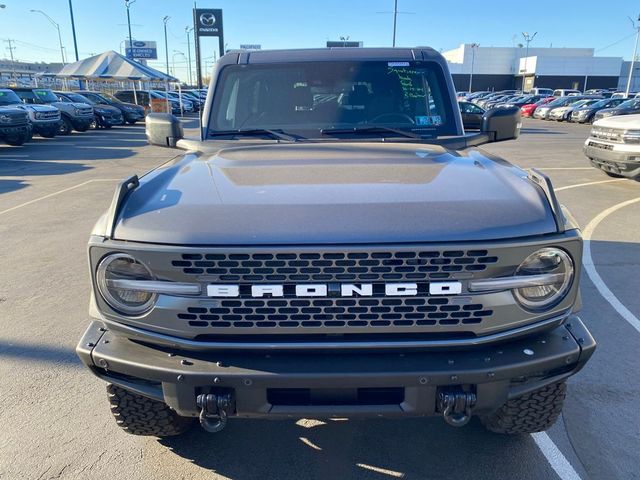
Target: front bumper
{"x":132,"y":116}
{"x":619,"y":159}
{"x":325,"y":384}
{"x":46,"y":126}
{"x":14,"y":130}
{"x":81,"y":123}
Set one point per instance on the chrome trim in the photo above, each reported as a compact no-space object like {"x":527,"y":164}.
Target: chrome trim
{"x":142,"y":335}
{"x":510,"y":283}
{"x":153,"y":286}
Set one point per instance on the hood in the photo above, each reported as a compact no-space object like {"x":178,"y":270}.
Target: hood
{"x":625,"y":121}
{"x":65,"y":105}
{"x":333,"y":193}
{"x":106,"y":109}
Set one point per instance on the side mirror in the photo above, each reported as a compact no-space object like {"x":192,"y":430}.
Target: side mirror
{"x":502,"y":123}
{"x":163,"y":129}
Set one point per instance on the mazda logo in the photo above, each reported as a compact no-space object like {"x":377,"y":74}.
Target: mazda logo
{"x":207,"y":19}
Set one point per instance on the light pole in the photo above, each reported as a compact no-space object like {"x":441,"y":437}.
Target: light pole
{"x":344,"y":40}
{"x":55,"y":24}
{"x":189,"y":30}
{"x":177,"y":52}
{"x":73,"y":29}
{"x":127,"y":3}
{"x":166,"y":43}
{"x":473,"y":57}
{"x":528,"y":39}
{"x":633,"y":59}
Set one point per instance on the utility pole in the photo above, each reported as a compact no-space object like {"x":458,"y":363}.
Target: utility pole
{"x":73,"y":29}
{"x":473,"y":57}
{"x":13,"y":63}
{"x":528,"y":39}
{"x":633,"y":59}
{"x":395,"y":20}
{"x":188,"y":30}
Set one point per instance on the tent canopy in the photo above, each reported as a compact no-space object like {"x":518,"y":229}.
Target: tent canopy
{"x":112,"y":66}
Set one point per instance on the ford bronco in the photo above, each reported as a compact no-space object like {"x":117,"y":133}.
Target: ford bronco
{"x":335,"y":244}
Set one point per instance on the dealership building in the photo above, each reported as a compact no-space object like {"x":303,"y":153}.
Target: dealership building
{"x":501,"y":68}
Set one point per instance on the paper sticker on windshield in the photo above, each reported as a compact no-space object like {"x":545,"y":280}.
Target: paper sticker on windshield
{"x":398,"y":64}
{"x":434,"y":120}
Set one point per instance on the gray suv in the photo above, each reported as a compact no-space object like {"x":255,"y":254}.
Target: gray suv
{"x":335,"y":245}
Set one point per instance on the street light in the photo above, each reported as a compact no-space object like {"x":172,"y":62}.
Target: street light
{"x":473,"y":57}
{"x":633,"y":59}
{"x":173,"y":60}
{"x":166,"y":43}
{"x":55,"y":24}
{"x":528,"y":39}
{"x":188,"y":30}
{"x":127,"y":3}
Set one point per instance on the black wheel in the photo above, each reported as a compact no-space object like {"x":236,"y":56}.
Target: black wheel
{"x":140,"y":415}
{"x":533,"y":412}
{"x":94,"y":124}
{"x":65,"y":127}
{"x":613,"y":175}
{"x":131,"y":122}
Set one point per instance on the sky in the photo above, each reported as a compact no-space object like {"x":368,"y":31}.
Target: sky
{"x":102,"y":25}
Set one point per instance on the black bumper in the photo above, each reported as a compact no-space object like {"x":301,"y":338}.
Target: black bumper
{"x":132,"y":116}
{"x":14,"y":130}
{"x":81,"y":123}
{"x":334,"y":384}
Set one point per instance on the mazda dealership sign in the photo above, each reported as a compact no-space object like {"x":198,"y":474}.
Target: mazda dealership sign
{"x":208,"y":22}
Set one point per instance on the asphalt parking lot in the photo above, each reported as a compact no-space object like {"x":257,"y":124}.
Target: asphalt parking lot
{"x":54,"y":416}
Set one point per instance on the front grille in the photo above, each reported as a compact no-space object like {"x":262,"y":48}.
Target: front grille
{"x":49,"y":115}
{"x":333,"y":266}
{"x":17,"y":118}
{"x":608,"y":134}
{"x":86,"y":111}
{"x":335,"y":313}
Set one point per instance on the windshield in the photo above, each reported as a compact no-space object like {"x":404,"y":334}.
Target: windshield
{"x":8,"y":97}
{"x":76,"y":97}
{"x":316,"y":96}
{"x":37,"y":96}
{"x":634,"y":103}
{"x":561,"y":102}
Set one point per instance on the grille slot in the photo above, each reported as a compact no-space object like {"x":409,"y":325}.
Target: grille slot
{"x":334,"y":266}
{"x":295,"y":313}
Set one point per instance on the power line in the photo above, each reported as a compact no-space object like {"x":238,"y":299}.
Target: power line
{"x":616,"y":43}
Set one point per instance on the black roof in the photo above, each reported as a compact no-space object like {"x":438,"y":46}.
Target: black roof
{"x":333,"y":54}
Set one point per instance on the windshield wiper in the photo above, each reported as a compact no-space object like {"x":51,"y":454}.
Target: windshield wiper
{"x":251,"y":132}
{"x":370,"y":129}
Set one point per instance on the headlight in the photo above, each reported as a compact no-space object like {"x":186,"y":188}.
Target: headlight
{"x":631,"y":136}
{"x":546,"y":261}
{"x":5,"y":119}
{"x":38,"y":115}
{"x":76,"y":112}
{"x":115,"y":268}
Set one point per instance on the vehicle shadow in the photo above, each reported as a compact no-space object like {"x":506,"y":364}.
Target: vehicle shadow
{"x":541,"y":131}
{"x":11,"y":185}
{"x":38,"y":353}
{"x":373,"y":448}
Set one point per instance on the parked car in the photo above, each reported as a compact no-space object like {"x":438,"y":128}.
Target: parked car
{"x":527,"y":110}
{"x":462,"y":95}
{"x":475,"y":95}
{"x":131,"y":112}
{"x":565,"y":92}
{"x":188,"y":104}
{"x":471,"y":115}
{"x":542,"y":112}
{"x":45,"y":119}
{"x":603,"y":92}
{"x":628,"y":107}
{"x":15,"y":128}
{"x":585,"y":113}
{"x":143,"y":98}
{"x":563,"y":114}
{"x":104,"y":116}
{"x":73,"y":116}
{"x":613,"y":146}
{"x":543,"y":92}
{"x":523,"y":100}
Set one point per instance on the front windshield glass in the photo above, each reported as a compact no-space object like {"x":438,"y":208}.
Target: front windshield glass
{"x":315,"y":96}
{"x":46,"y":96}
{"x":634,"y":103}
{"x":76,"y":97}
{"x":8,"y":97}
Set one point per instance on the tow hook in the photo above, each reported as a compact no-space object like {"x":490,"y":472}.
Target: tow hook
{"x":214,"y":410}
{"x":456,"y":407}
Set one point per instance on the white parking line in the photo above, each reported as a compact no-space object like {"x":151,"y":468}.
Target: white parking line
{"x":589,"y":183}
{"x":566,"y":168}
{"x":554,"y":456}
{"x":590,"y":267}
{"x":30,"y":202}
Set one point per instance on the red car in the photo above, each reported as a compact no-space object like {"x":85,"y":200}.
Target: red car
{"x":528,"y":109}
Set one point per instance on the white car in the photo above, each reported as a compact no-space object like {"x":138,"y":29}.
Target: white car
{"x":613,"y":146}
{"x":562,"y":114}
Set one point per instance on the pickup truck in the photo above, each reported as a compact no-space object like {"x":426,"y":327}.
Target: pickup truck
{"x":335,"y":245}
{"x":44,"y":119}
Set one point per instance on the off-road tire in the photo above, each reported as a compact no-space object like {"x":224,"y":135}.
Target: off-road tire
{"x":66,"y":127}
{"x":140,"y":415}
{"x":534,"y":412}
{"x":16,"y":141}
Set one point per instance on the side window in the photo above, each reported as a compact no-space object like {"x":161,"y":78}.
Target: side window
{"x":474,"y":109}
{"x":465,"y":107}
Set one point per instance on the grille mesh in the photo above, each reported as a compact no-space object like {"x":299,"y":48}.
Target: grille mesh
{"x":333,"y":266}
{"x":334,"y":312}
